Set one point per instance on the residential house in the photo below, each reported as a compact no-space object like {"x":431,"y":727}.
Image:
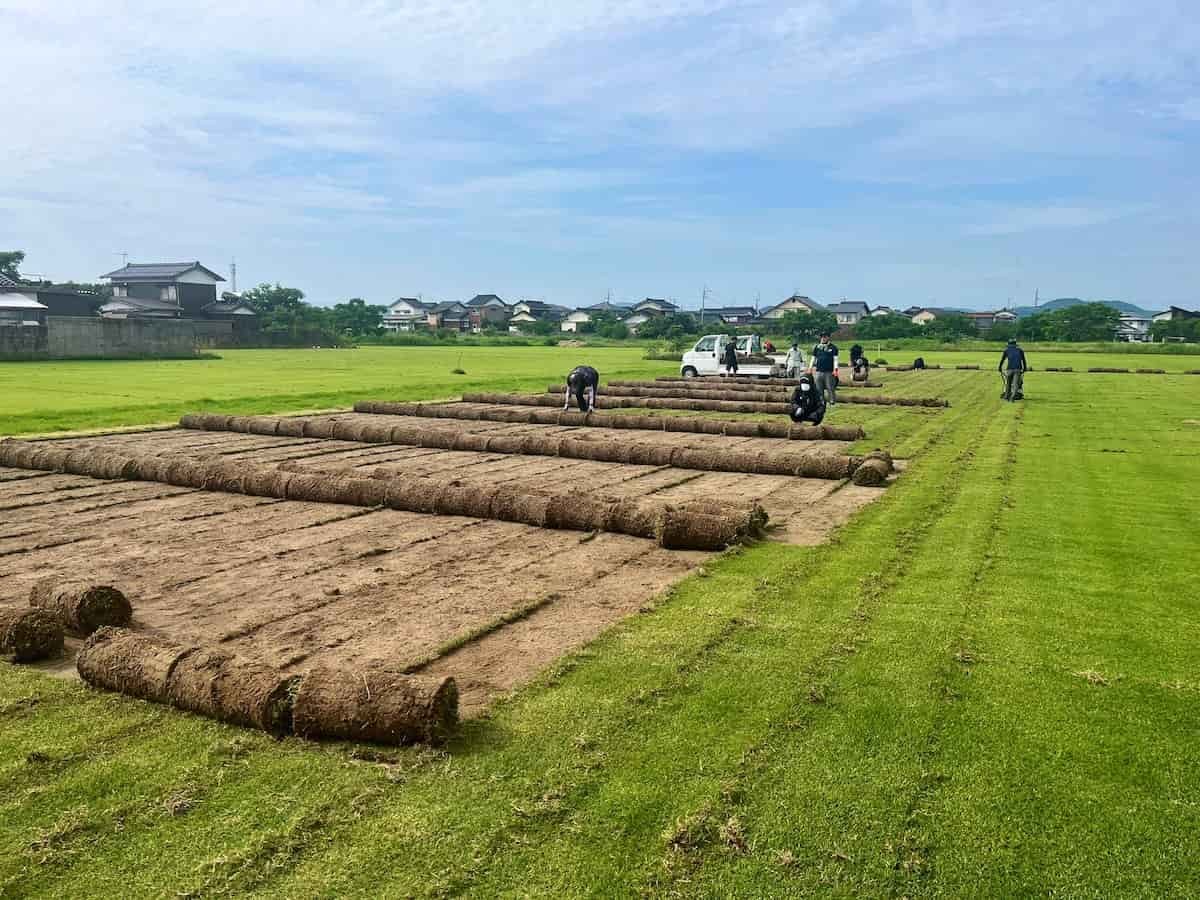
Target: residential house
{"x":231,"y":306}
{"x":1173,"y":313}
{"x":161,"y":290}
{"x":794,"y":303}
{"x":926,"y":314}
{"x":488,"y":310}
{"x":19,"y":304}
{"x":573,"y":320}
{"x":731,"y":315}
{"x":653,"y":306}
{"x":451,"y":315}
{"x":910,"y":311}
{"x":526,"y":312}
{"x":406,"y":314}
{"x":883,"y":311}
{"x":849,"y":312}
{"x":1133,"y":328}
{"x":59,"y":300}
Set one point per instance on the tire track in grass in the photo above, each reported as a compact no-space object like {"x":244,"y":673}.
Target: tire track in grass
{"x":912,"y":866}
{"x":716,"y":824}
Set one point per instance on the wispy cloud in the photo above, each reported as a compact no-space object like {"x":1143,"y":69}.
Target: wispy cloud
{"x":758,"y":143}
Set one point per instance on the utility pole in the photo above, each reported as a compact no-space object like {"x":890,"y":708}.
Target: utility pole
{"x":703,"y":298}
{"x":1036,"y":298}
{"x":233,"y":275}
{"x":124,"y":254}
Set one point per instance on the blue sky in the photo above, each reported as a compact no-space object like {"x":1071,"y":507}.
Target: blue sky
{"x":949,"y":153}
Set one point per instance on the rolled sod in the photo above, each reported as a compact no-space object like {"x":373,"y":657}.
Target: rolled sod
{"x":1151,"y":371}
{"x":30,"y":634}
{"x":1107,"y":369}
{"x":540,"y":416}
{"x":976,"y":368}
{"x":379,"y":705}
{"x":715,"y":384}
{"x":82,"y":606}
{"x":738,"y":393}
{"x":510,"y":503}
{"x":781,"y":461}
{"x":698,"y":404}
{"x":871,"y":472}
{"x":139,"y":665}
{"x":233,"y":689}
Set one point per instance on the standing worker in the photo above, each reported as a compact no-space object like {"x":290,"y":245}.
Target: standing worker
{"x":825,"y":367}
{"x":1014,"y":377}
{"x":729,"y":358}
{"x":795,"y":360}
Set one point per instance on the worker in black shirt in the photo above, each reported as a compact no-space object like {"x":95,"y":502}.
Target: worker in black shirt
{"x":824,"y":368}
{"x":1013,"y":357}
{"x":582,"y":382}
{"x":729,"y":358}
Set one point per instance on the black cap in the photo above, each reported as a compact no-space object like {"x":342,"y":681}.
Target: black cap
{"x":824,"y":334}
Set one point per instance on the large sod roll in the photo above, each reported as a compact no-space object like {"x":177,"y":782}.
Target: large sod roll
{"x":781,"y":461}
{"x":707,"y":384}
{"x":540,"y":416}
{"x":28,"y":635}
{"x":871,"y":471}
{"x":82,"y":606}
{"x":233,"y":689}
{"x":730,"y":404}
{"x":1109,"y":370}
{"x":509,"y":503}
{"x":135,"y":664}
{"x":743,"y":396}
{"x":381,"y":705}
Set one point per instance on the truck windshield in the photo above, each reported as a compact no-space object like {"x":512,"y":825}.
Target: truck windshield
{"x":705,"y":345}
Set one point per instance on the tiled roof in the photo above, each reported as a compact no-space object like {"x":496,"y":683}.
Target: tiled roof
{"x":157,"y":271}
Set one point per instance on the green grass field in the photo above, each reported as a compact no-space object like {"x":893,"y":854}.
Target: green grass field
{"x":987,"y":685}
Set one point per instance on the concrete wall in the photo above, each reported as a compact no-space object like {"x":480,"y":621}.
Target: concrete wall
{"x":71,"y":336}
{"x":23,"y":342}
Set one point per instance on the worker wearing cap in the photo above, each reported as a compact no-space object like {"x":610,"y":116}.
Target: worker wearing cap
{"x":824,"y":367}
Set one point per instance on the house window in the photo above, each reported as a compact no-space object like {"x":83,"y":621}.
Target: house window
{"x":167,"y":292}
{"x":120,"y":290}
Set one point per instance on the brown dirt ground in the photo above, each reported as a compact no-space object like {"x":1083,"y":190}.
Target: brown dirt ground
{"x":296,"y":584}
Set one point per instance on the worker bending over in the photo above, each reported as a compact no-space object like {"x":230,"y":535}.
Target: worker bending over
{"x":582,"y":382}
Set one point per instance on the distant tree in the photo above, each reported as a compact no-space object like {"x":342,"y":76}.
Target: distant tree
{"x":543,"y":327}
{"x":10,"y":262}
{"x":671,"y":327}
{"x":807,"y":326}
{"x":1081,"y":322}
{"x":606,"y":325}
{"x":286,"y":318}
{"x":357,"y":318}
{"x":883,"y":327}
{"x":1188,"y":329}
{"x":950,"y":327}
{"x":1002,"y":331}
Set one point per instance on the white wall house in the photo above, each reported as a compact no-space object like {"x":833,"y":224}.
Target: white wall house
{"x":796,"y":302}
{"x":573,"y":320}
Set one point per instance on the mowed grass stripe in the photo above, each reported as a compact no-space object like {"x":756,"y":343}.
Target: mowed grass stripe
{"x":1071,"y":761}
{"x":642,"y":674}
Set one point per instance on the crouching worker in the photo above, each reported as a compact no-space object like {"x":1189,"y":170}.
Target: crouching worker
{"x":859,"y":363}
{"x":1013,"y":357}
{"x":582,"y":382}
{"x":807,"y":403}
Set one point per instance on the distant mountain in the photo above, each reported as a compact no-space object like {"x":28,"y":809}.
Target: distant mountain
{"x":1063,"y":302}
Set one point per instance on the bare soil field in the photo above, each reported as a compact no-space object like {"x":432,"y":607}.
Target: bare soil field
{"x":298,"y":584}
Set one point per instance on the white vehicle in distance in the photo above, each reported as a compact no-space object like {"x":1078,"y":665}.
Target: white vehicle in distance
{"x":705,"y":357}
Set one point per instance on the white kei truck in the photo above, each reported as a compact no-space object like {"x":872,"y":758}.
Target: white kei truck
{"x":705,"y":357}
